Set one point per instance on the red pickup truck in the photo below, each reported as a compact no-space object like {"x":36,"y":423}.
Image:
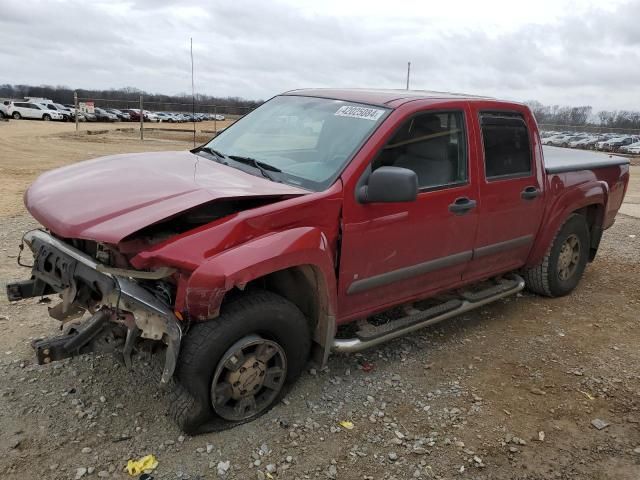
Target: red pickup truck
{"x":325,"y":220}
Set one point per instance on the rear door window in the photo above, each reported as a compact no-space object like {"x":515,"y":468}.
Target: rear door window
{"x":507,"y":152}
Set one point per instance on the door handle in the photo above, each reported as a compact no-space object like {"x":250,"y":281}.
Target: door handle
{"x":462,"y":205}
{"x":530,"y":193}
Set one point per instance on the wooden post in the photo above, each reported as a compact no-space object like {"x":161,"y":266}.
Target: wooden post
{"x":141,"y":119}
{"x":75,"y":102}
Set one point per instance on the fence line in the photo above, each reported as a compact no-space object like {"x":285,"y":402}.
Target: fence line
{"x":589,"y":128}
{"x":174,"y":107}
{"x":211,"y":111}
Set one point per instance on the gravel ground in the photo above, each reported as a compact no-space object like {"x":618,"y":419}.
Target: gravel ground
{"x":526,"y":388}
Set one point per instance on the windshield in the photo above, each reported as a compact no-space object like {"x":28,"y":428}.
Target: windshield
{"x":306,"y":140}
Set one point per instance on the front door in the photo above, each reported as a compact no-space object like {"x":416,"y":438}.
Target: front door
{"x":394,"y":252}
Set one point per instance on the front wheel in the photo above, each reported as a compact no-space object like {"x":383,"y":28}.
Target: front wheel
{"x":46,"y":117}
{"x":234,"y":368}
{"x":564,"y":263}
{"x":16,"y":115}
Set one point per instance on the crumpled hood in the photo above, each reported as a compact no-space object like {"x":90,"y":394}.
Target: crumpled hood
{"x":109,"y":198}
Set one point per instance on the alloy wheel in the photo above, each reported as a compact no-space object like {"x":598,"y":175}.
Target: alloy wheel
{"x":248,"y":378}
{"x":569,"y":257}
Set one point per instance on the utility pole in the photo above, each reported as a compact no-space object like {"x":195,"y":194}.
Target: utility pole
{"x":141,"y":119}
{"x":75,"y":104}
{"x":408,"y":73}
{"x":193,"y":97}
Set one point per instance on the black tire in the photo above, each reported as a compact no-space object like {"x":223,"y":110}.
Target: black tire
{"x":46,"y":117}
{"x":16,"y":115}
{"x":254,"y":313}
{"x":547,"y":278}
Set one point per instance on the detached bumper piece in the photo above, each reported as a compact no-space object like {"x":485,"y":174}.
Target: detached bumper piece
{"x":70,"y":345}
{"x":119,"y":303}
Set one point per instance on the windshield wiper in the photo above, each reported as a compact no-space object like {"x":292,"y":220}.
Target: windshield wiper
{"x":219,"y":155}
{"x":263,"y":167}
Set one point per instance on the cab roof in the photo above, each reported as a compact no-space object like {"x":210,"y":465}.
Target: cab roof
{"x":382,"y":97}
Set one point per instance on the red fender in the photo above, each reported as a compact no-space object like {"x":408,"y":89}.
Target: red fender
{"x":570,"y":199}
{"x":207,"y":285}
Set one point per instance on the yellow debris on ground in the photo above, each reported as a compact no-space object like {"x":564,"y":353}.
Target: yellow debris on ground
{"x":346,"y":424}
{"x":146,"y":463}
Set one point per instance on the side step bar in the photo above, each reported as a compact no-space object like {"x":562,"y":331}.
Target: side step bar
{"x":370,"y":336}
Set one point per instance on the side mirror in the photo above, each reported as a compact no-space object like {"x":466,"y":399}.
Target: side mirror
{"x":389,"y":185}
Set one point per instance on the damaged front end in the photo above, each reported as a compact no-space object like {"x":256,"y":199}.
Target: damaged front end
{"x":122,"y":311}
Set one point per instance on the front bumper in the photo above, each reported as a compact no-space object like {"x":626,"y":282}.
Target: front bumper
{"x":61,"y":268}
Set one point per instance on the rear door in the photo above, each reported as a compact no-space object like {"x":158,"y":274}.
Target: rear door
{"x":511,"y":191}
{"x":21,"y":108}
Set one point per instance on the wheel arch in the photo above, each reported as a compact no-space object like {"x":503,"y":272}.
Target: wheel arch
{"x":296,"y":264}
{"x":306,"y":287}
{"x":588,"y":200}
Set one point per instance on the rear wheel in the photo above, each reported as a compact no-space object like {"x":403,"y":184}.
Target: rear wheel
{"x":236,"y":367}
{"x":564,"y":263}
{"x":16,"y":115}
{"x":46,"y":117}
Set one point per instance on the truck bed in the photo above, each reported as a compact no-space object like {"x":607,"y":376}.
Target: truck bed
{"x":558,"y":160}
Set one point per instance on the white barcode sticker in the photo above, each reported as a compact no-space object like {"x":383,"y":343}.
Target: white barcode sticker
{"x":372,"y":114}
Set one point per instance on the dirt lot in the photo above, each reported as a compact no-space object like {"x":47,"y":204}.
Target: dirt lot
{"x":507,"y":392}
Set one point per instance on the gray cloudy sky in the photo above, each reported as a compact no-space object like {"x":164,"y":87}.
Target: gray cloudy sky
{"x":555,"y":51}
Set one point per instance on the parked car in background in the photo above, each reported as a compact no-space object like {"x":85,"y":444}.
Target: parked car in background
{"x":151,"y":117}
{"x":556,"y":140}
{"x":164,"y":117}
{"x":67,"y":115}
{"x":19,"y":110}
{"x":547,"y":139}
{"x":4,"y":108}
{"x":134,"y":114}
{"x":71,"y":112}
{"x":633,"y":149}
{"x":590,"y":142}
{"x":614,"y":144}
{"x":104,"y":116}
{"x":631,"y":146}
{"x":123,"y":116}
{"x":173,"y":117}
{"x":82,"y":116}
{"x":572,"y":138}
{"x":603,"y":144}
{"x":577,"y":142}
